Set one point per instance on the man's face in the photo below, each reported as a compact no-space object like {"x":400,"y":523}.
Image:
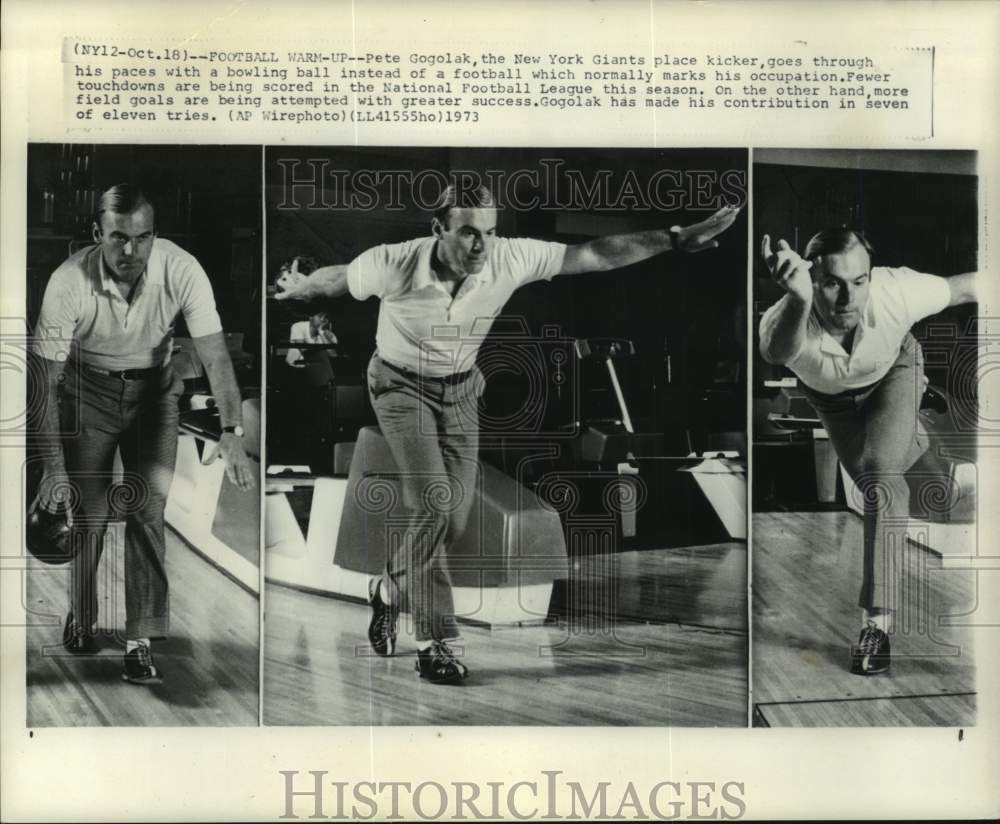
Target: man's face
{"x":126,"y":242}
{"x":465,"y":238}
{"x":840,"y":288}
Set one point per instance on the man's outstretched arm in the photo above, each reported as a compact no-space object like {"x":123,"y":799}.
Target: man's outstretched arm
{"x":963,"y":289}
{"x":615,"y":251}
{"x":784,"y":330}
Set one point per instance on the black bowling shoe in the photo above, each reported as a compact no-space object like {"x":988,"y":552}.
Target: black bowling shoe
{"x":139,"y":667}
{"x":382,"y":627}
{"x":78,"y":640}
{"x":439,"y":665}
{"x":870,"y":656}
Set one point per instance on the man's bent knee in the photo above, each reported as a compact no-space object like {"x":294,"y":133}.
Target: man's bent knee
{"x":875,"y":465}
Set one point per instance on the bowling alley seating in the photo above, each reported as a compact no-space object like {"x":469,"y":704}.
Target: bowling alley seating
{"x":503,"y":566}
{"x":328,"y":534}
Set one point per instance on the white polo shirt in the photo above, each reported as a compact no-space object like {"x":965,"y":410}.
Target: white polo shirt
{"x":897,"y":299}
{"x":83,"y":304}
{"x":420,"y":326}
{"x":301,"y":332}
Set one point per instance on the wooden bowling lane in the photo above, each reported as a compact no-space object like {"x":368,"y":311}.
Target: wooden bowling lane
{"x":919,"y":711}
{"x":210,"y":661}
{"x":806,"y":576}
{"x":590,"y":670}
{"x":692,"y":585}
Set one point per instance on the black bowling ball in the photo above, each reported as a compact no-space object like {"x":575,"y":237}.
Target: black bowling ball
{"x":48,"y":536}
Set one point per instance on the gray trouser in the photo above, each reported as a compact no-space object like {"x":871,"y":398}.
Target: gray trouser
{"x":877,"y":436}
{"x":431,"y":426}
{"x":138,"y":418}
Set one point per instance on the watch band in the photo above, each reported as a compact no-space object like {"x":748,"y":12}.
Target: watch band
{"x":233,"y":430}
{"x":675,"y":238}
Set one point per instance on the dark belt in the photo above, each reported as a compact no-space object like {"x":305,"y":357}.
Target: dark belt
{"x":125,"y":374}
{"x":447,"y":380}
{"x":847,"y":393}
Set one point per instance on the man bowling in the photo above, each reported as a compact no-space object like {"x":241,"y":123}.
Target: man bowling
{"x":843,"y":328}
{"x":425,"y":387}
{"x":104,"y":337}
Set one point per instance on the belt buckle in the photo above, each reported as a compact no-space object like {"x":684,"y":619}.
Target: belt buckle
{"x":124,"y":375}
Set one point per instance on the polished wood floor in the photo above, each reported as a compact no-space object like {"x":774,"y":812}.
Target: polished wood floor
{"x":211,"y":661}
{"x":612,"y":662}
{"x":806,"y":576}
{"x":916,"y":711}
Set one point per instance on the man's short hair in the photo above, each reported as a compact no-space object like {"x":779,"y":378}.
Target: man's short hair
{"x":836,"y":242}
{"x":121,"y":199}
{"x":457,"y":196}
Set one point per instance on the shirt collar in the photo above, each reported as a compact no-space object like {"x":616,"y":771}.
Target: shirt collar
{"x":425,"y":277}
{"x":830,"y":346}
{"x":868,"y":313}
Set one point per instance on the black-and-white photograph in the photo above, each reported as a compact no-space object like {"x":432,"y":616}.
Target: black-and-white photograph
{"x":141,"y":482}
{"x":865,"y":411}
{"x":506,"y":437}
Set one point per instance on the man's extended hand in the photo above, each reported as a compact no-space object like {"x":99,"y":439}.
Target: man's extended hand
{"x":788,"y":269}
{"x":54,"y":492}
{"x":238,"y":467}
{"x":292,"y":285}
{"x":700,"y":236}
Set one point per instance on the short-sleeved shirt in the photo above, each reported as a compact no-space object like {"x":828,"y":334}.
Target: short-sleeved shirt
{"x":897,"y":298}
{"x":420,"y":326}
{"x":301,"y":332}
{"x":83,"y":304}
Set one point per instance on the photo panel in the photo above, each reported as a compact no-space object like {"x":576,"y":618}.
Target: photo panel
{"x":865,"y":414}
{"x":506,"y":437}
{"x":141,"y":480}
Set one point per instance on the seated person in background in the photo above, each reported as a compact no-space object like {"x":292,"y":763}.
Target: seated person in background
{"x":314,"y":330}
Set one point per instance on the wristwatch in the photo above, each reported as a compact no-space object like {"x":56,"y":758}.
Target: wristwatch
{"x":675,"y":238}
{"x":233,"y":430}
